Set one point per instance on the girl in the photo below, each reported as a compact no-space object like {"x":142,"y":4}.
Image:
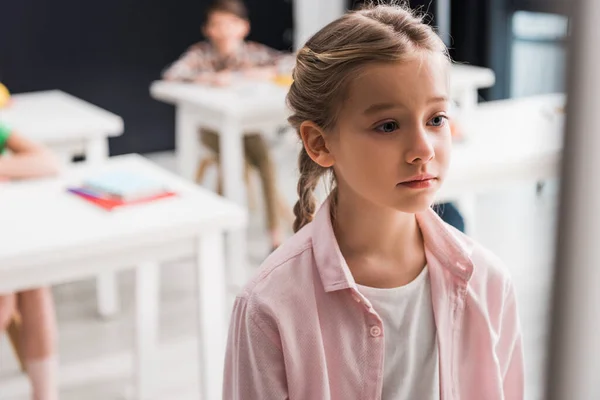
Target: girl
{"x":375,"y":297}
{"x":37,"y":333}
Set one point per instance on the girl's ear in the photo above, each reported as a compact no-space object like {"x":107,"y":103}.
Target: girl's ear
{"x":313,"y":138}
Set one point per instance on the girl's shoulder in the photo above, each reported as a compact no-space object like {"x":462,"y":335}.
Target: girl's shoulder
{"x":287,"y":270}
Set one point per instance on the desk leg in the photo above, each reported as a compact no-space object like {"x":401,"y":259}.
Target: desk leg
{"x":96,"y":152}
{"x":468,"y":100}
{"x":234,"y":188}
{"x":108,"y":294}
{"x":187,"y":143}
{"x":146,"y":329}
{"x":232,"y":162}
{"x":212,"y":314}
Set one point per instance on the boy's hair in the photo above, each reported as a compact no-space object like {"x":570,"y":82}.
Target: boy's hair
{"x":326,"y":65}
{"x":234,"y":7}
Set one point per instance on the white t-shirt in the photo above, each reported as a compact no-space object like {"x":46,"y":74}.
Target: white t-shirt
{"x":411,"y":362}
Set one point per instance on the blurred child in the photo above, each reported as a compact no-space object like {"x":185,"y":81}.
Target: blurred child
{"x":217,"y":61}
{"x":37,"y":335}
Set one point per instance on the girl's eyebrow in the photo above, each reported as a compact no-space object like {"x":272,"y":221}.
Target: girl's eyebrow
{"x":373,"y":108}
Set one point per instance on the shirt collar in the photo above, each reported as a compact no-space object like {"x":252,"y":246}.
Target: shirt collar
{"x":440,"y":240}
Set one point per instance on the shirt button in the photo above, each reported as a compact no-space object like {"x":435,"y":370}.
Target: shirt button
{"x":375,"y":331}
{"x":356,"y":298}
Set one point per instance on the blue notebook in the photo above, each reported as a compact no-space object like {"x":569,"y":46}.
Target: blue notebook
{"x":125,"y":185}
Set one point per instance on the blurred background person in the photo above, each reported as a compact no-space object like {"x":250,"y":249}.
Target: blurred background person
{"x":31,"y":312}
{"x":225,"y":55}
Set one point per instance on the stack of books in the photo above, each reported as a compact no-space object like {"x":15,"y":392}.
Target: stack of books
{"x":114,"y":189}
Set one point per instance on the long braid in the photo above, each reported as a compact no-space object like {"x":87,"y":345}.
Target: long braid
{"x":310,"y":173}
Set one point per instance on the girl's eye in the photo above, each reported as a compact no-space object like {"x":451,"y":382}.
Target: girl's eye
{"x":387,"y":127}
{"x":438,"y":121}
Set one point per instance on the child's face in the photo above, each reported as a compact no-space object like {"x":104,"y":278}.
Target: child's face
{"x":392,"y":128}
{"x":226,"y":30}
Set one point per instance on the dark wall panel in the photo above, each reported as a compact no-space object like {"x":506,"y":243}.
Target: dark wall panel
{"x":107,"y":52}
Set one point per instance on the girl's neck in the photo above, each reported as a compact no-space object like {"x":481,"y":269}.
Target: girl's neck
{"x":382,"y":246}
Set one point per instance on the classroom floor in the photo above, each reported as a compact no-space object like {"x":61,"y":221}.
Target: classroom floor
{"x":96,"y":363}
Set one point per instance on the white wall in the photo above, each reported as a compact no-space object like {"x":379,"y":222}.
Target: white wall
{"x":312,"y":15}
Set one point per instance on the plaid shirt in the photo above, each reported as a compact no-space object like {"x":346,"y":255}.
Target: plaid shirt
{"x":202,"y":57}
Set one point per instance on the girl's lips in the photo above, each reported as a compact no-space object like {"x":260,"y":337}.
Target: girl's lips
{"x":419,"y":184}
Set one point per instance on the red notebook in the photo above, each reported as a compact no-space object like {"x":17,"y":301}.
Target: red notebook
{"x":110,"y":204}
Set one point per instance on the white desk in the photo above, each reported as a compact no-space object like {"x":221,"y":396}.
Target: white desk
{"x":68,"y":126}
{"x":508,"y":141}
{"x":64,"y":123}
{"x":56,"y":237}
{"x":232,"y":112}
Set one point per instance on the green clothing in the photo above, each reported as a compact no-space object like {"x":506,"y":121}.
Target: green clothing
{"x":4,"y":135}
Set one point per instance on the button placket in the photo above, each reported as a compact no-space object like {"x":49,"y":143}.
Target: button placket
{"x":375,"y":330}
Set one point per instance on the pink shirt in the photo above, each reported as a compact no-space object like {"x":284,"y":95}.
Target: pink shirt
{"x":301,"y":330}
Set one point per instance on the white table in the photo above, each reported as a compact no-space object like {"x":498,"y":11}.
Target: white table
{"x":64,"y":123}
{"x":56,"y":237}
{"x":68,"y":126}
{"x":508,"y":141}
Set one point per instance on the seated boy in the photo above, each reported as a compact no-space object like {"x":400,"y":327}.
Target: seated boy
{"x":225,"y":54}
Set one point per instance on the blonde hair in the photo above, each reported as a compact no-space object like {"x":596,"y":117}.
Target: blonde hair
{"x":325,"y":66}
